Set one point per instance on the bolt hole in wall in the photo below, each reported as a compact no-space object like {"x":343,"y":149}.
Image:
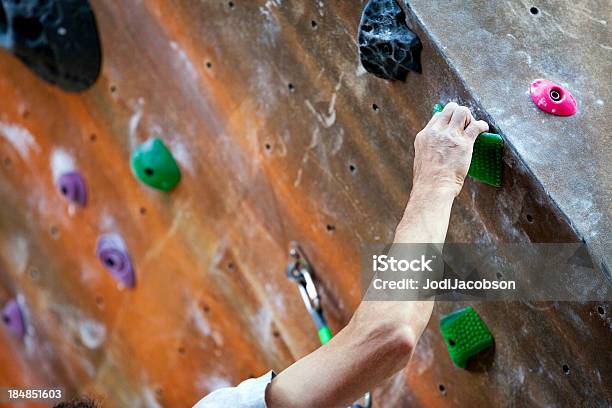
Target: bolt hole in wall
{"x":352,"y":168}
{"x":566,"y":369}
{"x":113,"y":88}
{"x":34,"y":274}
{"x":534,"y":10}
{"x":208,"y":64}
{"x":230,"y":4}
{"x":204,"y":306}
{"x":291,"y":87}
{"x":601,"y":310}
{"x":314,"y":24}
{"x":375,"y":108}
{"x":442,"y":389}
{"x":268,"y":147}
{"x":529,"y":218}
{"x":330,"y":228}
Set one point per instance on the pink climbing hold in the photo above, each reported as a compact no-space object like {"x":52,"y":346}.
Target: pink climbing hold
{"x":552,"y":98}
{"x":13,"y":318}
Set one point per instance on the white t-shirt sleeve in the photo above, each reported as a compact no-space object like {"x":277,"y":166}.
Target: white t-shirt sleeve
{"x":250,"y":393}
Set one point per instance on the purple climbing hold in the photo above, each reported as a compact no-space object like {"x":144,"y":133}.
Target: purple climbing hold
{"x":113,"y":254}
{"x":72,"y":186}
{"x":13,"y":318}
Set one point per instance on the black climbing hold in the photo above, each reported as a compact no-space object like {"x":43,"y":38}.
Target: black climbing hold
{"x":387,"y":47}
{"x":57,"y":39}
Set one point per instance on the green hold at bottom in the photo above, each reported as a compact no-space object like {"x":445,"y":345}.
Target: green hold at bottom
{"x":153,"y":164}
{"x":325,"y":334}
{"x":465,"y":335}
{"x":486,"y":165}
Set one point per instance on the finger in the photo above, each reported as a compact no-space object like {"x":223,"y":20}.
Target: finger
{"x":461,"y":118}
{"x":475,"y":128}
{"x":432,"y":121}
{"x":446,"y":114}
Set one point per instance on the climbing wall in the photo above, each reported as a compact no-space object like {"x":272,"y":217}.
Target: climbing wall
{"x":280,"y":135}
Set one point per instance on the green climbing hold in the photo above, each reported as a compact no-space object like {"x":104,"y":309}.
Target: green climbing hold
{"x":437,"y":108}
{"x":486,"y":165}
{"x":153,"y":164}
{"x":465,"y":335}
{"x":325,"y":334}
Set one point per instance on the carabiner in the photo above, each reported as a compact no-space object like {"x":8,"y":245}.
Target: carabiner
{"x":300,"y":271}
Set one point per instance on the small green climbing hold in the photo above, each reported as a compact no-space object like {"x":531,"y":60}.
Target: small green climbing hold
{"x":465,"y":335}
{"x":486,"y":165}
{"x":325,"y":334}
{"x":437,"y":108}
{"x":153,"y":164}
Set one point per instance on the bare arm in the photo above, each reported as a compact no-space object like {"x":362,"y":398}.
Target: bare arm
{"x":379,"y":339}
